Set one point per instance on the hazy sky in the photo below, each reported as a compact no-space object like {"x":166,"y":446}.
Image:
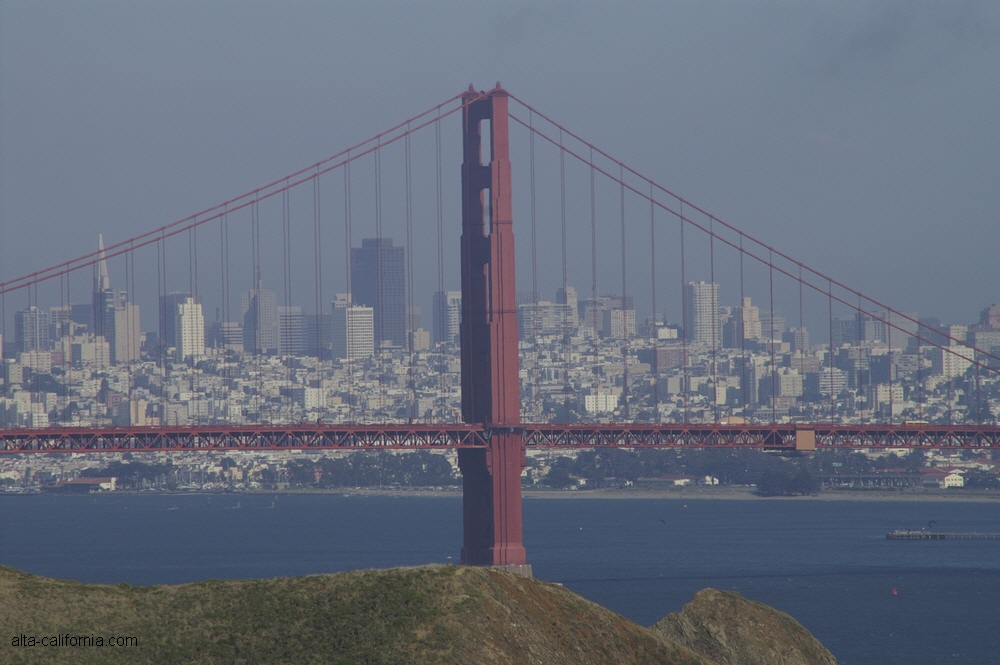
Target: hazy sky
{"x":862,"y":138}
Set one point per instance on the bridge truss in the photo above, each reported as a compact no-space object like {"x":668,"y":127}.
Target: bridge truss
{"x":782,"y":438}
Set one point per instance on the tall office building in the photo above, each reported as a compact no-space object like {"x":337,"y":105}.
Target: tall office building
{"x":224,"y":335}
{"x":60,"y":322}
{"x":378,"y":280}
{"x":114,"y":317}
{"x":749,"y":316}
{"x":702,"y":313}
{"x":260,"y":320}
{"x":31,"y":330}
{"x":566,"y":295}
{"x":291,"y":331}
{"x":447,"y":316}
{"x":541,"y":319}
{"x":772,"y":327}
{"x":595,"y":312}
{"x":168,"y":312}
{"x":353,"y":329}
{"x":189,"y":327}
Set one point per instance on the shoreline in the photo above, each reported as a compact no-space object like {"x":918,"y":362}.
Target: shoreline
{"x":736,"y":493}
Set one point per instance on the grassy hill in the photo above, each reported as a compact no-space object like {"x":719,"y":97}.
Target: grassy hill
{"x":435,"y":614}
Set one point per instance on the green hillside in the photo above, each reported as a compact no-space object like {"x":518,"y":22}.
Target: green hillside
{"x":434,"y":614}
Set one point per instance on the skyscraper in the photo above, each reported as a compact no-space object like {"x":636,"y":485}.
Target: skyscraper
{"x":260,"y":320}
{"x":291,"y":331}
{"x":566,"y":295}
{"x":447,"y":315}
{"x":31,"y":330}
{"x":115,"y":318}
{"x":701,"y":322}
{"x":378,"y":280}
{"x":189,"y":324}
{"x":168,"y":310}
{"x":353,"y":329}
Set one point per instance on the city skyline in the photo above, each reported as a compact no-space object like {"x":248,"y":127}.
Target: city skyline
{"x":817,"y":146}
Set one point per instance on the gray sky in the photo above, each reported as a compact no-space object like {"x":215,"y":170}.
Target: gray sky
{"x":861,"y":138}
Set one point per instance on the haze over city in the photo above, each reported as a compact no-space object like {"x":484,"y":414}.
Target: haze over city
{"x":388,"y":285}
{"x":858,"y":138}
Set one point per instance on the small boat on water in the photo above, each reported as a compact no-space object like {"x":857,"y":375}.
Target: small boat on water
{"x":915,"y":534}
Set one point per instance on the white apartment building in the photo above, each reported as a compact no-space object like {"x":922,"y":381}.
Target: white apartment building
{"x":702,"y":313}
{"x":353,"y":330}
{"x":189,"y":326}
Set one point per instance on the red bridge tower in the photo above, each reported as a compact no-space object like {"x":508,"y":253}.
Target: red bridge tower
{"x":491,"y":502}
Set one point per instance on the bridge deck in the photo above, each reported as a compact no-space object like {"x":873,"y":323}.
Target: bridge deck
{"x":779,"y":437}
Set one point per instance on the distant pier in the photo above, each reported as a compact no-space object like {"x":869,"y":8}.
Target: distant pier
{"x":924,"y":534}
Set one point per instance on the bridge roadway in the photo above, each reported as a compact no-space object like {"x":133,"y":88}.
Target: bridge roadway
{"x":794,"y":437}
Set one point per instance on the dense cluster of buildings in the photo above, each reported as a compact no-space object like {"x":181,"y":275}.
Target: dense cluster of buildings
{"x":368,"y":358}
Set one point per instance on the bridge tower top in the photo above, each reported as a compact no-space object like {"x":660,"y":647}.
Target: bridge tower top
{"x":489,"y":336}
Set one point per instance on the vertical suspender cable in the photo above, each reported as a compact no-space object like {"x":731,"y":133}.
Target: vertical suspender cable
{"x":562,"y":229}
{"x":979,"y":398}
{"x":684,"y":315}
{"x":195,"y":238}
{"x":284,"y":337}
{"x":920,"y":385}
{"x":160,"y":342}
{"x":190,"y":262}
{"x":222,"y":339}
{"x":951,"y":387}
{"x":409,"y":278}
{"x":774,"y":368}
{"x":743,"y":336}
{"x":534,"y":262}
{"x":318,"y":273}
{"x":889,"y":363}
{"x":652,"y":290}
{"x":444,"y":341}
{"x":350,"y":293}
{"x":379,"y":295}
{"x":861,"y":350}
{"x":833,"y":403}
{"x":715,"y":319}
{"x":593,"y":260}
{"x":624,"y":302}
{"x":258,"y":341}
{"x":128,"y":324}
{"x":801,"y":338}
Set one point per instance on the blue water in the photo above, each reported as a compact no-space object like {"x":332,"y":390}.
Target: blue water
{"x":825,"y":562}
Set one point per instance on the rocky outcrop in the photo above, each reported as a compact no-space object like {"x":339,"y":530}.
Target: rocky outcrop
{"x":728,"y":629}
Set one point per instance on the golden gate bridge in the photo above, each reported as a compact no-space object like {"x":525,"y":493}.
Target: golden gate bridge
{"x":492,"y":440}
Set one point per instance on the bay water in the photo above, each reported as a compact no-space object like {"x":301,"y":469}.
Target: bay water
{"x":827,"y":563}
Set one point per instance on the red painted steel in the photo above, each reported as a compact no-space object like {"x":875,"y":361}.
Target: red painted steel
{"x":490,"y":365}
{"x":479,"y":439}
